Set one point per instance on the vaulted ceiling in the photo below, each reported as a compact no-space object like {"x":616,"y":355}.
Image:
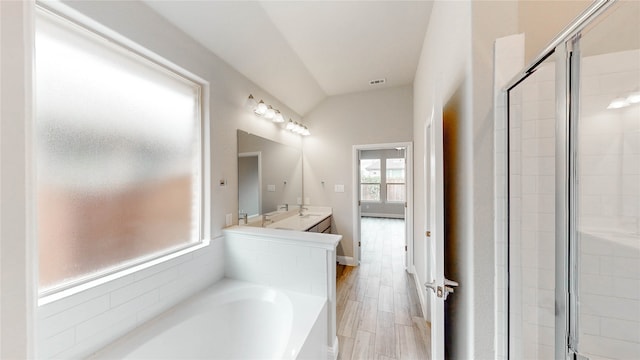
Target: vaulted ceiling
{"x":303,"y":51}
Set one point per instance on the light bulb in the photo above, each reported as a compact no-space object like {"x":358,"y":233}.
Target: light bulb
{"x":270,"y":113}
{"x":261,"y":108}
{"x":306,"y":131}
{"x":290,"y":125}
{"x":251,"y":103}
{"x":278,"y":118}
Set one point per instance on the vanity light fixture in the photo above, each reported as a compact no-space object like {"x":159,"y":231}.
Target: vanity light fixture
{"x":278,"y":118}
{"x":261,"y":109}
{"x":296,"y":128}
{"x":251,"y":103}
{"x":268,"y":112}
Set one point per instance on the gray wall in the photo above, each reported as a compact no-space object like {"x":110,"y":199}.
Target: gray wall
{"x":338,"y":123}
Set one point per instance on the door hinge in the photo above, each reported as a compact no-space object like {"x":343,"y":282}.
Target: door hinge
{"x":359,"y":243}
{"x":405,"y":248}
{"x":405,"y":204}
{"x":359,"y":203}
{"x":428,"y":233}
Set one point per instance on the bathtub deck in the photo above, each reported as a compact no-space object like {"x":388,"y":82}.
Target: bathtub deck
{"x":378,"y":311}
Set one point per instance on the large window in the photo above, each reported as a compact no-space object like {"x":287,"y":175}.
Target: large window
{"x":395,"y":179}
{"x":370,"y":179}
{"x":119,"y":155}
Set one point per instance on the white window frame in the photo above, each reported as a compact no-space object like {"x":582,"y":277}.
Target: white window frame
{"x":67,"y":289}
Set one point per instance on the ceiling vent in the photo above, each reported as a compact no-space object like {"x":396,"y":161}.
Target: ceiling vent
{"x":377,"y":81}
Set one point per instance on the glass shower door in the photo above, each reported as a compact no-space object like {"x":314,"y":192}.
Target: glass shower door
{"x":606,"y":200}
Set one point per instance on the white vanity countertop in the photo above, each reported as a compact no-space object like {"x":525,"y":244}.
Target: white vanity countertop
{"x":311,"y":216}
{"x":326,"y":241}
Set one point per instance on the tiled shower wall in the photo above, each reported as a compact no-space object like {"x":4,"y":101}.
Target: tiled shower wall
{"x":609,"y":211}
{"x":532,"y":215}
{"x":609,"y":144}
{"x":508,"y":60}
{"x":608,"y":207}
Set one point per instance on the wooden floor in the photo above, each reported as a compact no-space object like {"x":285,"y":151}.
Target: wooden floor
{"x":378,"y":311}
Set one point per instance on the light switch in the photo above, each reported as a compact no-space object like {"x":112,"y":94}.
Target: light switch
{"x":271,"y":188}
{"x":339,"y":188}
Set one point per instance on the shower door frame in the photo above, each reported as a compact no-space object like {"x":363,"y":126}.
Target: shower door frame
{"x":564,"y":48}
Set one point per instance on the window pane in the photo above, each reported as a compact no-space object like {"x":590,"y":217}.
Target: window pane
{"x":370,"y":192}
{"x":396,"y":192}
{"x":370,"y":170}
{"x":395,"y":171}
{"x":118,"y":154}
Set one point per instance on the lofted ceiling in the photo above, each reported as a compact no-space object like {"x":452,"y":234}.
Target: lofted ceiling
{"x":303,"y":51}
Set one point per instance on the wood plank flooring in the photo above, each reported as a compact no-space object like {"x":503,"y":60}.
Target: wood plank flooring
{"x":378,"y":311}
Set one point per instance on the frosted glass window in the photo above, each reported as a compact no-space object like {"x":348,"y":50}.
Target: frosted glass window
{"x":118,"y":149}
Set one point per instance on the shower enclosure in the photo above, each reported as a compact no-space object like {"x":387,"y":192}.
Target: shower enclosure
{"x":573,"y":193}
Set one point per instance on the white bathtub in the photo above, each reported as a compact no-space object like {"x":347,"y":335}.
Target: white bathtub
{"x":231,"y":320}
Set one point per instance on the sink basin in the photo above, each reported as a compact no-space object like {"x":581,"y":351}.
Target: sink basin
{"x":307,"y":216}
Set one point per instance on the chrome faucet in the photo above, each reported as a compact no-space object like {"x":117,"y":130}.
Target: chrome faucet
{"x":284,"y":207}
{"x":302,"y":208}
{"x":243,"y":216}
{"x":266,"y":220}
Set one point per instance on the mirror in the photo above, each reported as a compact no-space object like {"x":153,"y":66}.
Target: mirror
{"x":269,"y":174}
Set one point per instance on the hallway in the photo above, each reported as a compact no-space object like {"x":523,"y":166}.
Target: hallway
{"x":378,"y":311}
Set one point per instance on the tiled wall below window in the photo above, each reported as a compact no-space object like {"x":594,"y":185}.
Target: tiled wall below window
{"x":78,"y":325}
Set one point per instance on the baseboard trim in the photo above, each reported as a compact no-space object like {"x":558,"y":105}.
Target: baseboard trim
{"x":382,"y":215}
{"x":421,"y":295}
{"x":332,"y":354}
{"x":346,"y":260}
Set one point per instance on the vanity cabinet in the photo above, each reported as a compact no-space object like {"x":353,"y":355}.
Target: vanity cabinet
{"x":323,"y":226}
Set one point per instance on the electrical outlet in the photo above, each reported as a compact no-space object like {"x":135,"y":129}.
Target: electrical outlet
{"x":339,"y":188}
{"x":228,"y":219}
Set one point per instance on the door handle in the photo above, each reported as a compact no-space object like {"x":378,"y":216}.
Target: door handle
{"x":442,"y":291}
{"x":436,"y":289}
{"x":450,"y":283}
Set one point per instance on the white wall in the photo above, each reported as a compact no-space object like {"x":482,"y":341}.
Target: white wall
{"x":17,"y":253}
{"x":338,"y":123}
{"x":443,"y":67}
{"x":62,"y":326}
{"x":457,"y":60}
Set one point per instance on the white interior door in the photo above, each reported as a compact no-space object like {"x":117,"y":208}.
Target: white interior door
{"x":437,"y":286}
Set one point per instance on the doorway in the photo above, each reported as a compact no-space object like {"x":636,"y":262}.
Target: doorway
{"x":250,"y":183}
{"x":383,"y":193}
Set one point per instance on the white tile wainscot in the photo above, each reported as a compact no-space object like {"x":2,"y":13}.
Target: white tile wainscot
{"x":293,"y":260}
{"x":77,"y":325}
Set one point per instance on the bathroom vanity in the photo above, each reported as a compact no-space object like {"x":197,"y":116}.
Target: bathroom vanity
{"x":311,"y":219}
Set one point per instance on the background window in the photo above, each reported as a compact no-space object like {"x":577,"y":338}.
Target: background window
{"x":370,"y":179}
{"x":118,"y":148}
{"x":395,"y":173}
